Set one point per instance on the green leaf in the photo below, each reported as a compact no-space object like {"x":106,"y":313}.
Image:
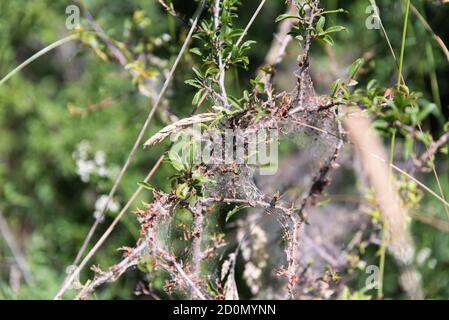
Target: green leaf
{"x":246,"y":45}
{"x":285,"y":16}
{"x":320,"y":24}
{"x":334,"y":29}
{"x":325,"y":33}
{"x":328,"y":39}
{"x":246,"y":95}
{"x":335,"y":87}
{"x":193,"y":83}
{"x":198,"y":72}
{"x":234,"y":102}
{"x":182,"y":191}
{"x":196,"y":51}
{"x":345,"y":91}
{"x":200,"y":179}
{"x":146,"y":185}
{"x":355,"y":66}
{"x":428,"y":109}
{"x":334,"y":11}
{"x":234,"y":211}
{"x":175,"y":160}
{"x":191,"y":151}
{"x":196,"y":97}
{"x":408,"y":146}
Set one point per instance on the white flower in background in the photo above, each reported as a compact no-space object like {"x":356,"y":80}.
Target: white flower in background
{"x":423,"y":255}
{"x":100,"y":158}
{"x":254,"y":253}
{"x":85,"y":169}
{"x":88,"y":166}
{"x":103,"y":172}
{"x":158,"y":42}
{"x":101,"y":202}
{"x":432,"y":263}
{"x":166,"y":37}
{"x":82,"y":150}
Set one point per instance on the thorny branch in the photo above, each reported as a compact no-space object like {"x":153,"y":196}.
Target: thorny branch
{"x":432,"y":150}
{"x":165,"y":260}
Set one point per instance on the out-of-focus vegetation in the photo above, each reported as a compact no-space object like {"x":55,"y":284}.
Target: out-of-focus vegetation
{"x":69,"y":119}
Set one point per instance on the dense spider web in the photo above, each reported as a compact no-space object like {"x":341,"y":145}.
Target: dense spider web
{"x":307,"y":130}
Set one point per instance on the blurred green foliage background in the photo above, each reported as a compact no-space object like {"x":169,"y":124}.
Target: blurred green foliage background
{"x":44,"y":199}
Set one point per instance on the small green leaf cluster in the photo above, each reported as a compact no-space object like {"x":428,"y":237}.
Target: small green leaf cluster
{"x":220,"y":48}
{"x":306,"y":24}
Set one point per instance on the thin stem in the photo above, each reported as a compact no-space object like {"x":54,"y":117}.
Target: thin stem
{"x":15,"y":249}
{"x":387,"y":38}
{"x":426,"y":25}
{"x":245,"y":31}
{"x":278,"y":45}
{"x":250,"y":23}
{"x":440,"y":188}
{"x":392,"y":145}
{"x":38,"y":55}
{"x":404,"y":36}
{"x":410,"y":177}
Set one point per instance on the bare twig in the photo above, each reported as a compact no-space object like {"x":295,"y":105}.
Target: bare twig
{"x":131,"y":260}
{"x":432,"y":150}
{"x":435,"y":222}
{"x":252,"y":203}
{"x":245,"y":31}
{"x":15,"y":250}
{"x":249,"y":24}
{"x":114,"y":272}
{"x":38,"y":55}
{"x":426,"y":25}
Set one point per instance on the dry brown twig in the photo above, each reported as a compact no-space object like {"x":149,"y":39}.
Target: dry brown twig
{"x":432,"y":150}
{"x":426,"y":25}
{"x":166,"y":261}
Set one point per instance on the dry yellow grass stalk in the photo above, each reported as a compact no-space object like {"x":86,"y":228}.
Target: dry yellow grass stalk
{"x":394,"y":215}
{"x":178,"y":126}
